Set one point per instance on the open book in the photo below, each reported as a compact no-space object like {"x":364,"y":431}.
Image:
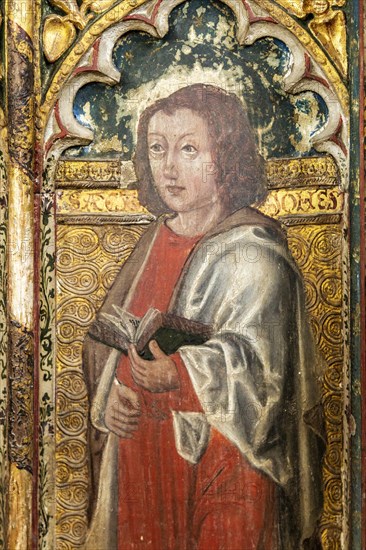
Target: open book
{"x":169,"y":330}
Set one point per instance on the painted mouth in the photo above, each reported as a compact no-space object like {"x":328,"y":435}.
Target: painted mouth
{"x":175,"y":189}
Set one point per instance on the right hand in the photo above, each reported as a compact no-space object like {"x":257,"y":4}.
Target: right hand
{"x":122,"y":413}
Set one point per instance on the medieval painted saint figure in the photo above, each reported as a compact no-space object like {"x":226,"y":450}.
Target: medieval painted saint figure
{"x":218,"y":445}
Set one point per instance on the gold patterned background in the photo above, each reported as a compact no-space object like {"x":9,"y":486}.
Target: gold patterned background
{"x":317,"y":252}
{"x":88,"y":259}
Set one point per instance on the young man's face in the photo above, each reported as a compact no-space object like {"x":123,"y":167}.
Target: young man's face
{"x":181,"y":160}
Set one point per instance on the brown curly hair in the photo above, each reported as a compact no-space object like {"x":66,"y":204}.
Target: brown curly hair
{"x":239,"y":167}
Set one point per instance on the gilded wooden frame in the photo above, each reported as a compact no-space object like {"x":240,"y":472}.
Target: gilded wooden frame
{"x":35,"y":456}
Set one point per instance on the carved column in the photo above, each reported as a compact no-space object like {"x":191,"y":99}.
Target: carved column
{"x":20,"y":108}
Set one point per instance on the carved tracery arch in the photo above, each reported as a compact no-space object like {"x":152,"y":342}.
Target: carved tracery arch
{"x":253,"y":22}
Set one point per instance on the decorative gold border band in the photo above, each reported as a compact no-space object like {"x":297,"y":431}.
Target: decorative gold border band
{"x":302,"y":172}
{"x":97,"y":219}
{"x":320,"y":219}
{"x":90,"y":174}
{"x":112,"y":173}
{"x":102,"y":219}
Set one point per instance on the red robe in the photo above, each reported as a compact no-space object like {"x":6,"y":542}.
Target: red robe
{"x":165,"y":502}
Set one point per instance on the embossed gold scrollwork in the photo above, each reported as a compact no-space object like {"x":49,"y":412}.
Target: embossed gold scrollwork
{"x":80,"y":292}
{"x":333,"y":375}
{"x":81,"y":280}
{"x":74,"y":497}
{"x":311,"y":294}
{"x":332,"y":539}
{"x":72,"y":423}
{"x":333,"y":492}
{"x":63,"y":474}
{"x":69,"y":355}
{"x":80,"y":308}
{"x":327,"y":246}
{"x":68,"y":332}
{"x":79,"y":243}
{"x":108,"y":274}
{"x":300,"y":249}
{"x":333,"y":408}
{"x":332,"y":326}
{"x":333,"y":458}
{"x":72,"y":384}
{"x":118,"y":243}
{"x":330,"y":290}
{"x":317,"y":250}
{"x":73,"y":527}
{"x":71,"y":452}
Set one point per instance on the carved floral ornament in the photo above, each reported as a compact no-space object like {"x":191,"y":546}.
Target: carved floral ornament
{"x":327,"y":25}
{"x":95,"y":64}
{"x":59,"y":32}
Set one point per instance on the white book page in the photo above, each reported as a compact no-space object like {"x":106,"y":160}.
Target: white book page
{"x":145,"y":321}
{"x":125,"y":322}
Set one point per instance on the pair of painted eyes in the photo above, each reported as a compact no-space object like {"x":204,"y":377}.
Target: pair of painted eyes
{"x":158,"y":149}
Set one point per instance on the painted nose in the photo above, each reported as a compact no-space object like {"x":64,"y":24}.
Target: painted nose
{"x":170,"y":168}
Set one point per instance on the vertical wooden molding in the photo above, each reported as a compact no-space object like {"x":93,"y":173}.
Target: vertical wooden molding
{"x":362,"y":134}
{"x":4,"y":470}
{"x":20,"y":109}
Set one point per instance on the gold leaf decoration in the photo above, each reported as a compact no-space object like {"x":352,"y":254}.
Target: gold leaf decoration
{"x":295,"y":7}
{"x":68,"y":6}
{"x":58,"y":35}
{"x":327,"y":25}
{"x":97,"y":6}
{"x":89,"y":258}
{"x":59,"y":32}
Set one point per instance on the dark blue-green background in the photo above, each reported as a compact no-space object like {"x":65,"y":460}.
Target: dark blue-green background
{"x":200,"y":47}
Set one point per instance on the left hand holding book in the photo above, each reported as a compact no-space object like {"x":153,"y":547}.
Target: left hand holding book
{"x":170,"y":331}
